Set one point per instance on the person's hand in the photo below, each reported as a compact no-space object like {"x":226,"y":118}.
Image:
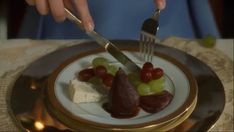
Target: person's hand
{"x":56,"y":7}
{"x":160,"y":4}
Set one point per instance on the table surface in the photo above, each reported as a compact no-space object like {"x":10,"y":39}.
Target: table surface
{"x":17,"y":54}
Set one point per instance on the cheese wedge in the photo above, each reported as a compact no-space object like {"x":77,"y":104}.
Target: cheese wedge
{"x":82,"y":92}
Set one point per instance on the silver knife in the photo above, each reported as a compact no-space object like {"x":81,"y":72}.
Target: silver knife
{"x":109,"y":47}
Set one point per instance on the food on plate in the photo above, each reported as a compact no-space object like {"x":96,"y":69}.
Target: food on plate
{"x":86,"y":74}
{"x":150,"y":81}
{"x":100,"y":61}
{"x":101,"y":70}
{"x":155,"y":102}
{"x":157,"y":86}
{"x":108,"y":80}
{"x":123,"y":98}
{"x":148,"y":72}
{"x":82,"y":92}
{"x":127,"y":92}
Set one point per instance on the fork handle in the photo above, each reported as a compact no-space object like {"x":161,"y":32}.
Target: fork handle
{"x":156,"y":14}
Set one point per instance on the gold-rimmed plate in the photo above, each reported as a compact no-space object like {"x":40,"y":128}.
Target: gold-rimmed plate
{"x":179,"y":81}
{"x":27,"y":97}
{"x":176,"y":122}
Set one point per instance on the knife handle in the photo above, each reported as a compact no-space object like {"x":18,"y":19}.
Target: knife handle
{"x":101,"y":40}
{"x":74,"y":19}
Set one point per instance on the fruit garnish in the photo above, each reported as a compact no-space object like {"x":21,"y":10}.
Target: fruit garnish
{"x":146,"y":75}
{"x":100,"y":71}
{"x":108,"y":79}
{"x":86,"y":74}
{"x":148,"y":66}
{"x":144,"y":89}
{"x":152,"y":78}
{"x":157,"y":86}
{"x":100,"y":61}
{"x":157,"y":73}
{"x":112,"y":69}
{"x":125,"y":91}
{"x":95,"y":80}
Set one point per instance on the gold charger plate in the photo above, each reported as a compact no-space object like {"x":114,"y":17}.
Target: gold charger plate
{"x":27,"y":96}
{"x":173,"y":124}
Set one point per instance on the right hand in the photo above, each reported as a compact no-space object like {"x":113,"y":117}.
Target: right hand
{"x":56,"y":7}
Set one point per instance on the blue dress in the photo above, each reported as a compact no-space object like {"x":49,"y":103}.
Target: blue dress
{"x":122,"y":19}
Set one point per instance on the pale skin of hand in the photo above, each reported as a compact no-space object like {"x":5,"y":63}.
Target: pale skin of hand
{"x":56,"y":7}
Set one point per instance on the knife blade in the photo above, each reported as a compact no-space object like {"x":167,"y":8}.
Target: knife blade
{"x":106,"y":44}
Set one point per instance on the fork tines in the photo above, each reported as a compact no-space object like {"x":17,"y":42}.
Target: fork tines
{"x":146,"y":46}
{"x":147,"y":37}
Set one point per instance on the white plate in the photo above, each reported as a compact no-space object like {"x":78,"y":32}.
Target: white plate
{"x":179,"y":82}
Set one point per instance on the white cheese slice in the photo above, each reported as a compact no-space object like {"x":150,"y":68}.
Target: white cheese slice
{"x":82,"y":92}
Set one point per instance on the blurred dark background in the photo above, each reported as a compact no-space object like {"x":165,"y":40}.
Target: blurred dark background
{"x":12,"y":13}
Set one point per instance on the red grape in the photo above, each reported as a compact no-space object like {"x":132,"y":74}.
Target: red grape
{"x":108,"y":79}
{"x":86,"y":74}
{"x":100,"y":71}
{"x":157,"y":73}
{"x":146,"y":75}
{"x":148,"y":66}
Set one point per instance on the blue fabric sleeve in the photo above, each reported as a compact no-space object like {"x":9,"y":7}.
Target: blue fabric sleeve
{"x":203,"y":18}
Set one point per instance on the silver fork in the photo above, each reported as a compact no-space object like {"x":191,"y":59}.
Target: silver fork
{"x":147,"y":36}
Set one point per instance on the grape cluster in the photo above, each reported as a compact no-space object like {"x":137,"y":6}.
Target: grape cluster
{"x":150,"y":80}
{"x":101,"y":72}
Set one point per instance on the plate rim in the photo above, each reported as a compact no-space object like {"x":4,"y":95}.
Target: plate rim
{"x":179,"y":120}
{"x":56,"y":104}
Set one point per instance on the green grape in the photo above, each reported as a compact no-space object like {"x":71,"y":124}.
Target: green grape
{"x":100,"y":61}
{"x":111,"y":69}
{"x":157,"y":86}
{"x":95,"y":80}
{"x":208,"y":41}
{"x":144,"y":89}
{"x":134,"y":78}
{"x":162,"y":79}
